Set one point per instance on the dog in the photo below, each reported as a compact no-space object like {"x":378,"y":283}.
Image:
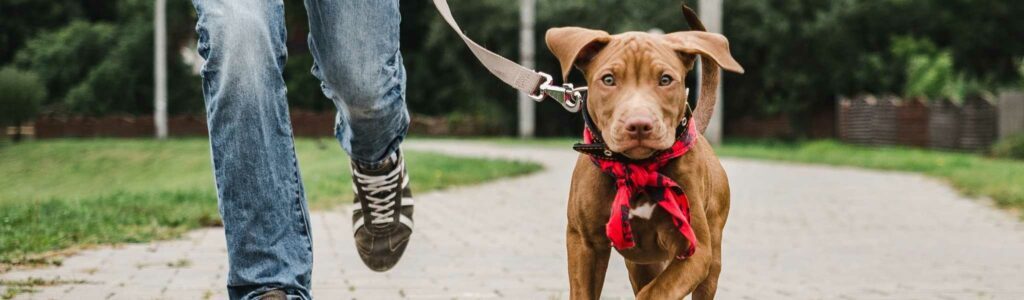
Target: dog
{"x":636,"y":111}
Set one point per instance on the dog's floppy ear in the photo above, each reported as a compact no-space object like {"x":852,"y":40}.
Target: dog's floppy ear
{"x":711,"y":45}
{"x":572,"y":45}
{"x":714,"y":51}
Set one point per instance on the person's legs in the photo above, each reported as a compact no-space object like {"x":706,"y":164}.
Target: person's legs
{"x":260,"y":192}
{"x":355,"y":47}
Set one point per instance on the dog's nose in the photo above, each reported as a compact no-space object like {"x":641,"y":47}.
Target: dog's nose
{"x":639,"y":128}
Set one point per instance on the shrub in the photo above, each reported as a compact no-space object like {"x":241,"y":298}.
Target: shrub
{"x":931,"y":72}
{"x":122,"y":81}
{"x":1010,"y":147}
{"x":103,"y":67}
{"x":21,"y":93}
{"x":63,"y":57}
{"x":1020,"y":72}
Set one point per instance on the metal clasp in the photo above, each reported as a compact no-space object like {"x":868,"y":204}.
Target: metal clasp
{"x":566,"y":95}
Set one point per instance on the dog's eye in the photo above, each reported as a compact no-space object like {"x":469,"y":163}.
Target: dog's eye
{"x":665,"y":80}
{"x":608,"y":80}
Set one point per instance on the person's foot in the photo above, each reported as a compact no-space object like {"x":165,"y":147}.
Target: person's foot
{"x":382,"y":219}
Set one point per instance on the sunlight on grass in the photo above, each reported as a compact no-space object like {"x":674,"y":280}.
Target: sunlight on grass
{"x":63,"y":193}
{"x":974,"y":175}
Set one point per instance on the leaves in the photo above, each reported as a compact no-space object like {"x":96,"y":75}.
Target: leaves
{"x":21,"y":93}
{"x":799,"y":54}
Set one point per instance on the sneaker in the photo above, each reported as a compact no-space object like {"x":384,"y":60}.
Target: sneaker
{"x":273,"y":295}
{"x":382,"y":218}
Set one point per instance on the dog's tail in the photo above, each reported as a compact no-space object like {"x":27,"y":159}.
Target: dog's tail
{"x":710,"y":76}
{"x":692,"y":20}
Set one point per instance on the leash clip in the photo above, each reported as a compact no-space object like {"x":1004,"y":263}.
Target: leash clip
{"x":567,"y":95}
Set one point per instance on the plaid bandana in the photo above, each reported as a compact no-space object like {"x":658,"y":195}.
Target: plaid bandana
{"x":642,"y":177}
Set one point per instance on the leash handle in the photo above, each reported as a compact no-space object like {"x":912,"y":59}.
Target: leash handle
{"x":533,"y":83}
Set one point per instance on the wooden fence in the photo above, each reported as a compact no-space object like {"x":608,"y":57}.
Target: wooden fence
{"x":889,"y":120}
{"x":1011,"y":113}
{"x":304,"y":124}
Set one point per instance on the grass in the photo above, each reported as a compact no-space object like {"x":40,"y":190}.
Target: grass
{"x":67,"y":193}
{"x":972,"y":174}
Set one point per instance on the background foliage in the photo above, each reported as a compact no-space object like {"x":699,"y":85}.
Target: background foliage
{"x":20,"y":95}
{"x":95,"y":56}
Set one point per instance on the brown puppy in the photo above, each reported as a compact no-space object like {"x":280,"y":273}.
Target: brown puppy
{"x":636,"y":100}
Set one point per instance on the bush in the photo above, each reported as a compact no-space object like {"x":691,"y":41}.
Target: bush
{"x":1020,"y":72}
{"x":123,"y":81}
{"x":21,"y":93}
{"x":64,"y":57}
{"x":799,"y":54}
{"x":931,"y":72}
{"x":105,"y":66}
{"x":1010,"y":147}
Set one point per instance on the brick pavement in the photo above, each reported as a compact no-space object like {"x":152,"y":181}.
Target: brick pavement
{"x":795,"y":232}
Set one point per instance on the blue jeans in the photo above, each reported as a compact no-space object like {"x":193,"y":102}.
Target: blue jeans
{"x":261,"y":199}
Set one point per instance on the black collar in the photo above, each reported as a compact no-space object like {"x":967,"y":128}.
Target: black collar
{"x":599,"y":150}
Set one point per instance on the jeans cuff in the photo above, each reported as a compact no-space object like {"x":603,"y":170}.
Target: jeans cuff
{"x":376,"y":164}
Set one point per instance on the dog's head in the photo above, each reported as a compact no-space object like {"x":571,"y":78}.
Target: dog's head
{"x":637,"y":94}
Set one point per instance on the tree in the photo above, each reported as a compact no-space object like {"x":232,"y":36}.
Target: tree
{"x":804,"y":53}
{"x":21,"y":94}
{"x":103,"y":63}
{"x":64,"y":57}
{"x":26,"y":18}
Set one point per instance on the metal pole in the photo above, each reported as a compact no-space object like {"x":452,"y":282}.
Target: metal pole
{"x":160,"y":69}
{"x":711,"y":15}
{"x":526,"y":57}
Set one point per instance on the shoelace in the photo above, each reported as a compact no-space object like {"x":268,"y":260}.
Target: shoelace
{"x":380,"y":184}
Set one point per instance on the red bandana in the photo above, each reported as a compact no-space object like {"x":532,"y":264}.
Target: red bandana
{"x":633,"y":179}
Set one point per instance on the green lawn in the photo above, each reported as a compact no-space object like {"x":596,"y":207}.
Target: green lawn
{"x":972,"y":174}
{"x":65,"y":193}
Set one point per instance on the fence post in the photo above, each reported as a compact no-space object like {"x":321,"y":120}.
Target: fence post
{"x":526,"y":52}
{"x":160,"y":69}
{"x":711,"y":16}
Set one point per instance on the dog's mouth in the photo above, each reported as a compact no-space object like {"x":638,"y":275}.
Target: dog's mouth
{"x":639,"y":151}
{"x":639,"y":148}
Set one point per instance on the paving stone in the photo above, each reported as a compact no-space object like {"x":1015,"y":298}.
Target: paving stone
{"x":794,"y":232}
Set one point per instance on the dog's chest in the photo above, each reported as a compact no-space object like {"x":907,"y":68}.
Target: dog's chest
{"x":656,"y":237}
{"x":642,"y":211}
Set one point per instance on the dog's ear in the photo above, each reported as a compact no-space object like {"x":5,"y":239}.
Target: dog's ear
{"x":714,"y":51}
{"x":575,"y":45}
{"x":711,"y":45}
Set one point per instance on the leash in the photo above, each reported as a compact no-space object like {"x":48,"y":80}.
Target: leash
{"x":538,"y":84}
{"x":534,"y":83}
{"x":632,"y":177}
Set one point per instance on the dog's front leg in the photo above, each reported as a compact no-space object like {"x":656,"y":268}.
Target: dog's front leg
{"x":587,"y":266}
{"x":681,"y":277}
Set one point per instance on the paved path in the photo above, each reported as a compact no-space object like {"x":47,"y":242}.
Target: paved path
{"x":795,"y":232}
